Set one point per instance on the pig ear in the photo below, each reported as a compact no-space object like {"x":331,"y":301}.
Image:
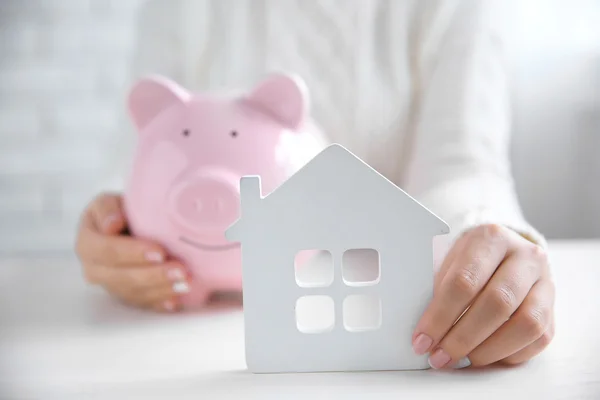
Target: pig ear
{"x":152,"y":95}
{"x":284,"y":97}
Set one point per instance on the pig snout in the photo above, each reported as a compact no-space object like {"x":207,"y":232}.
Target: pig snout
{"x":207,"y":203}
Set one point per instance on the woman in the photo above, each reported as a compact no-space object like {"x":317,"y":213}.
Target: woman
{"x":416,"y":89}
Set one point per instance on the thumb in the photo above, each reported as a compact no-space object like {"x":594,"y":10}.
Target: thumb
{"x":108,"y":215}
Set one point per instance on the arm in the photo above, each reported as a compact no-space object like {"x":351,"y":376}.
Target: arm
{"x":460,"y":163}
{"x":493,"y":295}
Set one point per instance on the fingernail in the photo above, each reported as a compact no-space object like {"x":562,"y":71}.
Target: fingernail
{"x":154,"y":256}
{"x":176,"y":274}
{"x":110,"y":220}
{"x":462,"y":363}
{"x":422,"y":343}
{"x":169,"y":305}
{"x":181,"y":287}
{"x":439,"y":359}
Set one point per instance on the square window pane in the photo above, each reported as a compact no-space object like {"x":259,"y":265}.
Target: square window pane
{"x":362,"y":312}
{"x":315,"y":314}
{"x":313,"y":268}
{"x":361,"y":267}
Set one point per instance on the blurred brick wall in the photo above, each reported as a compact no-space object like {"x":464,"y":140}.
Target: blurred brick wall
{"x":63,"y":72}
{"x":63,"y":67}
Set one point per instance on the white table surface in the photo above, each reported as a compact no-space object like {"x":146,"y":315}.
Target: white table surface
{"x":60,"y":339}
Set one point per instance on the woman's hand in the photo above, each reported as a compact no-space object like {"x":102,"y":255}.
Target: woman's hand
{"x":504,"y":283}
{"x":133,"y":270}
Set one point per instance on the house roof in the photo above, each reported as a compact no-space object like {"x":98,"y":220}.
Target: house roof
{"x":337,"y":164}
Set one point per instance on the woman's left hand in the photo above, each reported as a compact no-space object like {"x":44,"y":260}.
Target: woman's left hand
{"x":504,"y":283}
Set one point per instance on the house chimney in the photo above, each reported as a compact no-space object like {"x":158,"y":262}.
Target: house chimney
{"x":250,"y":198}
{"x":250,"y":193}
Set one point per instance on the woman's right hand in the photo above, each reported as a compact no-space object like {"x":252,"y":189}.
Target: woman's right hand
{"x":133,"y":270}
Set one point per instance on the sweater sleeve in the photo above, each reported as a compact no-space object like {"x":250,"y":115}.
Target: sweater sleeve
{"x":459,"y":165}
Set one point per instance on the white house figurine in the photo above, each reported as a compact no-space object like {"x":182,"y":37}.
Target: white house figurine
{"x":372,"y":255}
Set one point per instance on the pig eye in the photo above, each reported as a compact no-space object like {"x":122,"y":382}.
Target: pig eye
{"x":186,"y":132}
{"x":233,"y":134}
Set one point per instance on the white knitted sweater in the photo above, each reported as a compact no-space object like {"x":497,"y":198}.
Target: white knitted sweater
{"x":417,"y":89}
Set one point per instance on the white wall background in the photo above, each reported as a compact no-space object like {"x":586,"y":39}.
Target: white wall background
{"x":63,"y":66}
{"x":555,"y":52}
{"x":63,"y":69}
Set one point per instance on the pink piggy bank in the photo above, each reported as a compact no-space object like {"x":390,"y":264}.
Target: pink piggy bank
{"x":192,"y":150}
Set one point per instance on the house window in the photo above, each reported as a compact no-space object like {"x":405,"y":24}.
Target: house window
{"x":361,"y":267}
{"x":360,"y":312}
{"x":315,"y":314}
{"x":313,"y":268}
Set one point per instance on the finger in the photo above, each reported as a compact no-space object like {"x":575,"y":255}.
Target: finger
{"x":107,"y":215}
{"x":456,"y":249}
{"x":121,"y":250}
{"x":533,"y":349}
{"x":500,"y":298}
{"x":164,"y":300}
{"x":169,"y":305}
{"x":465,"y":278}
{"x":140,"y":279}
{"x":102,"y":217}
{"x":145,"y":289}
{"x":158,"y":302}
{"x":528,"y":324}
